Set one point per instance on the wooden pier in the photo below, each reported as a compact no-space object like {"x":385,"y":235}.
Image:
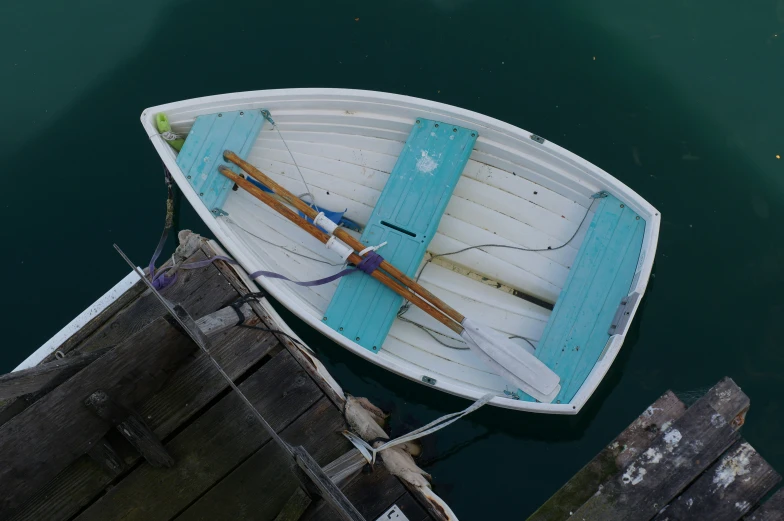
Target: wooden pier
{"x":129,"y":420}
{"x":675,"y":463}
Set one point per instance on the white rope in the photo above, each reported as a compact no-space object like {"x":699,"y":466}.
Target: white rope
{"x":168,"y":136}
{"x":268,"y":117}
{"x":370,"y":452}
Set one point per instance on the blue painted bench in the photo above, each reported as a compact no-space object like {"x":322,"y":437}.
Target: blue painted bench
{"x":202,"y":152}
{"x":602,"y":274}
{"x":406,"y":216}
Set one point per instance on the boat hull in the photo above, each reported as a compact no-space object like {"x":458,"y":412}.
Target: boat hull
{"x":516,"y":190}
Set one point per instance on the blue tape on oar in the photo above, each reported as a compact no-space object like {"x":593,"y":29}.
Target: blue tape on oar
{"x":336,"y":217}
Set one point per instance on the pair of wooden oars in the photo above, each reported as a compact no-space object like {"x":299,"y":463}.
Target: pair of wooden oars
{"x":404,"y":285}
{"x":510,"y":360}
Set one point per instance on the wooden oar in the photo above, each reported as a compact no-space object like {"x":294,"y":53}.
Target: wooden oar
{"x":354,"y":258}
{"x":342,"y":234}
{"x":512,"y":362}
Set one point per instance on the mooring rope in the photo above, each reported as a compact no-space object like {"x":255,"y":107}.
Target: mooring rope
{"x":370,"y":452}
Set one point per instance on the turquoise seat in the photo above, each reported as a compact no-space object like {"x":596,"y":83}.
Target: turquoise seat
{"x":406,"y":217}
{"x":202,"y":152}
{"x":602,"y":274}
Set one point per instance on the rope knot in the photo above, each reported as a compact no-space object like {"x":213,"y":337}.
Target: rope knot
{"x":370,"y":262}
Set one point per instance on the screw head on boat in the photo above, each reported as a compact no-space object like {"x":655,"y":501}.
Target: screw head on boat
{"x":418,"y":121}
{"x":242,"y":113}
{"x":622,"y":205}
{"x":340,"y":329}
{"x":189,"y":177}
{"x":454,"y":130}
{"x":201,"y":194}
{"x":220,"y":115}
{"x":357,"y":339}
{"x":324,"y":319}
{"x":637,"y":218}
{"x":436,"y":125}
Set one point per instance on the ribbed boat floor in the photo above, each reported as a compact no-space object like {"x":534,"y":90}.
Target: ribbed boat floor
{"x":346,"y":159}
{"x":225,"y":466}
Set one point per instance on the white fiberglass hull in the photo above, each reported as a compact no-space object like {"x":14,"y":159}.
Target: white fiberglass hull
{"x":514,"y":191}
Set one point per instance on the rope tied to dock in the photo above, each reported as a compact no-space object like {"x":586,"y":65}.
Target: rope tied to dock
{"x":370,"y":452}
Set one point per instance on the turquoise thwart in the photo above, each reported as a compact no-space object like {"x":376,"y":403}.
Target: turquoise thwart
{"x":202,"y":153}
{"x":602,"y":274}
{"x":406,"y":217}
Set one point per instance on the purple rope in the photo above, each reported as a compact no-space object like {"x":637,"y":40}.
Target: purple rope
{"x":369,"y":264}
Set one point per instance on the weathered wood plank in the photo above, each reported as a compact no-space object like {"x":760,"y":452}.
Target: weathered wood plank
{"x":47,"y":436}
{"x":330,"y":493}
{"x":222,"y":319}
{"x":199,"y":291}
{"x":771,"y":510}
{"x":634,"y":440}
{"x":656,"y":476}
{"x":410,"y":508}
{"x":269,"y":469}
{"x":306,"y":358}
{"x":296,"y":505}
{"x":371,"y":493}
{"x":195,"y":384}
{"x":131,"y":427}
{"x":206,"y":450}
{"x":100,"y":319}
{"x":45,"y":376}
{"x":729,"y":401}
{"x":107,"y":458}
{"x":727,"y":490}
{"x":340,"y":471}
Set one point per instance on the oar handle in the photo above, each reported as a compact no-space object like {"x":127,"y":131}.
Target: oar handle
{"x":354,"y":258}
{"x":341,"y":234}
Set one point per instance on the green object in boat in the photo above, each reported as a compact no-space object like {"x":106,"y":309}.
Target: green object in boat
{"x":164,"y":127}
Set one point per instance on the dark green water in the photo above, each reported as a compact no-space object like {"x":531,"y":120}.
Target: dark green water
{"x":681,"y":100}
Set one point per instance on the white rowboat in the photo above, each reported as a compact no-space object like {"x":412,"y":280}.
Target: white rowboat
{"x":569,"y":303}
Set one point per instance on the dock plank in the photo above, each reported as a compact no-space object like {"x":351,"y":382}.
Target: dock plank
{"x":47,"y":436}
{"x":237,"y":495}
{"x":727,"y":490}
{"x":45,"y":376}
{"x":371,"y":493}
{"x":210,"y":447}
{"x":195,"y":384}
{"x":199,"y":291}
{"x":411,"y":509}
{"x":771,"y":510}
{"x":634,"y":440}
{"x":673,"y":460}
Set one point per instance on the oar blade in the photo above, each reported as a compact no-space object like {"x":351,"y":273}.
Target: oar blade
{"x":513,"y":363}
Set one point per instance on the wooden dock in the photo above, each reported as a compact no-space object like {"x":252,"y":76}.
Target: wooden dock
{"x":675,"y":463}
{"x":129,"y":420}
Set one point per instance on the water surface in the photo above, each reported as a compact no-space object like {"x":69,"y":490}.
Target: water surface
{"x":681,"y":100}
